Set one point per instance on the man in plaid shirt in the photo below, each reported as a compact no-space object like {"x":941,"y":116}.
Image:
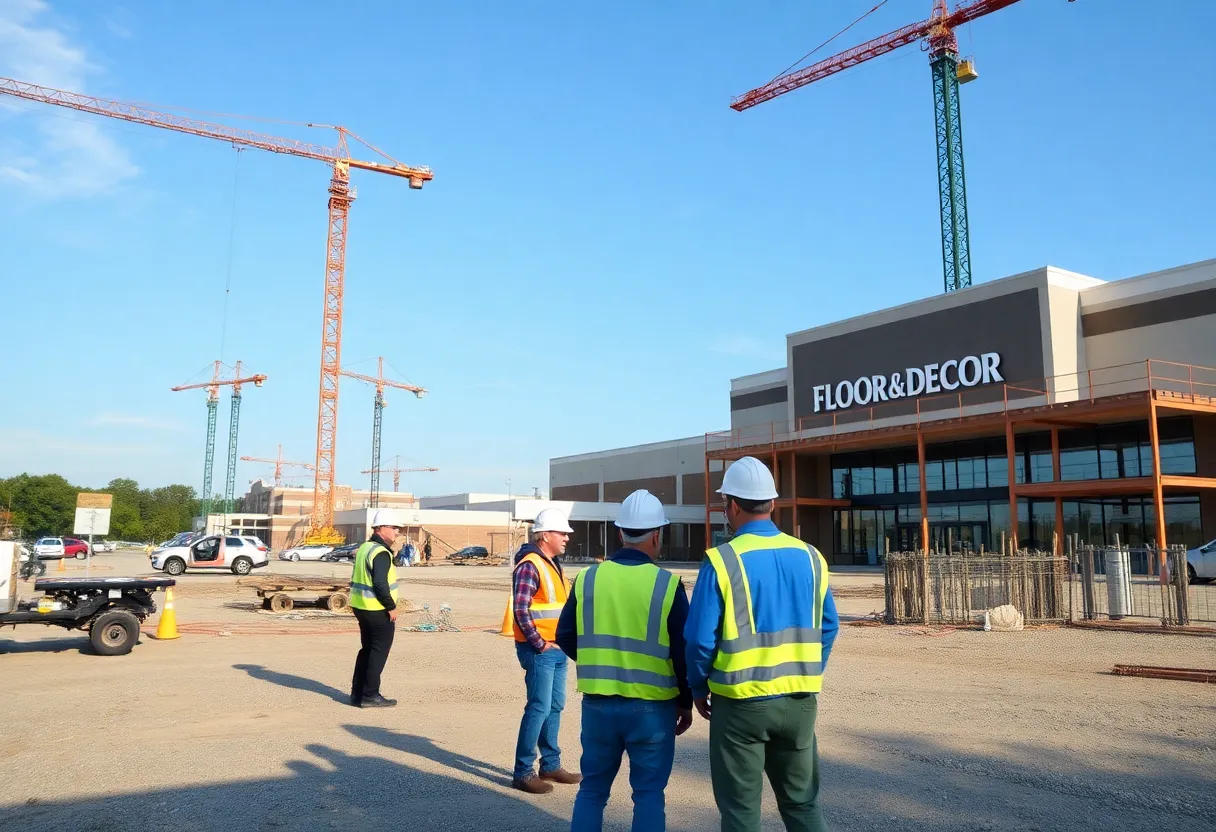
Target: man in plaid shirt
{"x":539,"y":592}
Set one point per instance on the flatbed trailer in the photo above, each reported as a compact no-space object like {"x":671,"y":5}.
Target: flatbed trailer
{"x":111,"y":610}
{"x":276,"y":591}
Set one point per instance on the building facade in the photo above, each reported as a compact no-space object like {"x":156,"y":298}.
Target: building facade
{"x":1034,"y":408}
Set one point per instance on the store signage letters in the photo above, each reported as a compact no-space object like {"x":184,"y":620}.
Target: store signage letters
{"x":971,"y":371}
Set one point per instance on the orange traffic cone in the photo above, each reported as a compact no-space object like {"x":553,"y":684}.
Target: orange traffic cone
{"x":167,"y":627}
{"x":508,"y":620}
{"x":62,"y":567}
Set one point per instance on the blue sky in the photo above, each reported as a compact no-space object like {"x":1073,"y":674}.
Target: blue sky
{"x":605,"y":243}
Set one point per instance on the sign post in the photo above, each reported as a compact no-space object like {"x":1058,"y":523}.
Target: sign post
{"x":92,"y":517}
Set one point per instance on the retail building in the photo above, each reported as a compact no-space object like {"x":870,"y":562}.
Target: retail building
{"x":1079,"y":406}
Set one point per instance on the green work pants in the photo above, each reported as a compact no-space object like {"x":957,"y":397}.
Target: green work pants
{"x":776,"y":737}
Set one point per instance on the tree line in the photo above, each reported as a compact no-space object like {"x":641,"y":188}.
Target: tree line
{"x":44,"y":505}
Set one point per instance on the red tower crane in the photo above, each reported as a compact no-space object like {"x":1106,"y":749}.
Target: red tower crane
{"x":937,"y":37}
{"x":341,"y":195}
{"x":397,"y":472}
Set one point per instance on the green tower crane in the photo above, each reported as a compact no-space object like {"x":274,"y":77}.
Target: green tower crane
{"x":948,"y":72}
{"x":213,"y":396}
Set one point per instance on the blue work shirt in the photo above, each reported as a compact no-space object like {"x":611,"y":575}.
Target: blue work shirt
{"x":677,"y":620}
{"x":782,"y":597}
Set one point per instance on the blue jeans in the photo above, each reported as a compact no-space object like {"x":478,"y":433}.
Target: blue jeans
{"x":545,"y":680}
{"x":647,"y":732}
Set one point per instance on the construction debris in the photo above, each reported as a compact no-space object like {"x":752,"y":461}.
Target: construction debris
{"x":1003,"y":619}
{"x":1178,"y":674}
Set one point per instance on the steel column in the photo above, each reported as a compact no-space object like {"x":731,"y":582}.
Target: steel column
{"x":924,"y":492}
{"x":1010,"y":457}
{"x":1158,"y":497}
{"x":1058,"y":546}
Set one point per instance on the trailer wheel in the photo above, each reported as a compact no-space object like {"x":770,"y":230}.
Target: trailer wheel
{"x":114,"y":633}
{"x":338,"y":602}
{"x":266,"y":603}
{"x":281,"y":602}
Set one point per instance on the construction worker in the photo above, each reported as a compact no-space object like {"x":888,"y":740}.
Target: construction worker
{"x":426,"y":549}
{"x":624,"y":625}
{"x":538,"y":594}
{"x":373,"y":598}
{"x":760,"y":628}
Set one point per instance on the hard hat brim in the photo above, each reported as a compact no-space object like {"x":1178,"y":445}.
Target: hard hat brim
{"x":646,"y":526}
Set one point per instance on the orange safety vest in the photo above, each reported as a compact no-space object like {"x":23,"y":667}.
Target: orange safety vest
{"x":548,"y":601}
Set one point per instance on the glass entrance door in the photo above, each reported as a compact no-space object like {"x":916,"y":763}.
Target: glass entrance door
{"x":958,"y":538}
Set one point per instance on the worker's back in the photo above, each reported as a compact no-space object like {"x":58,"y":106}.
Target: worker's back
{"x":780,"y":577}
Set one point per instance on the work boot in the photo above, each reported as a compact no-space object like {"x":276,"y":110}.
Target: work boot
{"x":356,"y":701}
{"x":377,"y":701}
{"x":531,"y":784}
{"x":560,"y":775}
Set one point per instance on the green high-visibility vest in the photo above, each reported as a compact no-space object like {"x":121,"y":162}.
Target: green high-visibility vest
{"x":362,"y":594}
{"x":751,"y":664}
{"x":623,"y":645}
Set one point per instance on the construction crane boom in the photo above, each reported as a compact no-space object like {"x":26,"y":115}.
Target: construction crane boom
{"x":278,"y":464}
{"x":380,"y":382}
{"x":341,"y":195}
{"x":397,"y":471}
{"x":939,"y":39}
{"x":246,"y":138}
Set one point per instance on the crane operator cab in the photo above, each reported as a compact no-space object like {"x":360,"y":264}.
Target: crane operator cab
{"x":966,"y":71}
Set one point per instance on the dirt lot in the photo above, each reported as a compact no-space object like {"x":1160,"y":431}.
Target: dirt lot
{"x":240,"y":725}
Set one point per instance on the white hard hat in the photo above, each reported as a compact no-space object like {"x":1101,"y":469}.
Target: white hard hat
{"x":749,"y":479}
{"x":641,"y":511}
{"x":386,"y":517}
{"x":551,"y":520}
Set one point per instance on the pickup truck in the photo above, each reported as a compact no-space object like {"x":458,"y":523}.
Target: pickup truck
{"x":110,"y":610}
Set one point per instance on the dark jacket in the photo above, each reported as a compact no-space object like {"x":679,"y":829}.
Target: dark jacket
{"x":379,"y":569}
{"x":567,"y":626}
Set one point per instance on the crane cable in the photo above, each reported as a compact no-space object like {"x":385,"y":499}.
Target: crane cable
{"x":829,"y":40}
{"x":236,"y":172}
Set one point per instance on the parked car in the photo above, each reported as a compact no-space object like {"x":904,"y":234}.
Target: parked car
{"x":104,"y":546}
{"x":314,"y":551}
{"x":341,"y":554}
{"x":74,"y":547}
{"x":241,"y":555}
{"x":470,"y":553}
{"x":1201,"y":562}
{"x":49,"y":548}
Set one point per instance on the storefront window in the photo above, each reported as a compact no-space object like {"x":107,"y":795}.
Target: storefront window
{"x":909,"y":477}
{"x":840,"y":483}
{"x":1079,"y":455}
{"x":998,"y":470}
{"x":862,"y":480}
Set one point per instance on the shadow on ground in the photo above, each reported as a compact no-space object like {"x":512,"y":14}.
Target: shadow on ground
{"x":899,"y":782}
{"x":290,"y":680}
{"x":332,"y":790}
{"x":59,"y":644}
{"x":426,"y":747}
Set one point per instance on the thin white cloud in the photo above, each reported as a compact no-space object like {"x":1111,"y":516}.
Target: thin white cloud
{"x":71,"y":157}
{"x":133,"y":421}
{"x":22,"y":445}
{"x":745,"y":346}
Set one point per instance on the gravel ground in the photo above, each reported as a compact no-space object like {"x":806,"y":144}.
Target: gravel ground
{"x":919,"y":729}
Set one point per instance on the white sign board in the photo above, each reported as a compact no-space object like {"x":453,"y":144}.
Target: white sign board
{"x":92,"y":521}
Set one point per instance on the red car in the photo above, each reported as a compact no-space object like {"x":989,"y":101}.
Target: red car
{"x":74,"y":548}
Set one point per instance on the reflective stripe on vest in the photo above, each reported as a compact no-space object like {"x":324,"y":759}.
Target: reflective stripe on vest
{"x":628,"y":652}
{"x":547,"y":603}
{"x":750,"y":664}
{"x":362,"y":593}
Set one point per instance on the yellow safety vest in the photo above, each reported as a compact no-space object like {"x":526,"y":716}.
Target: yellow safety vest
{"x":362,"y":595}
{"x":751,"y":664}
{"x":623,"y":645}
{"x":548,"y":601}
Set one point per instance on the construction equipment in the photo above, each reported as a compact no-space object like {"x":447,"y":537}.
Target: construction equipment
{"x":938,"y":39}
{"x":213,"y":397}
{"x":396,"y":470}
{"x":278,"y":464}
{"x":341,"y":195}
{"x":378,"y":416}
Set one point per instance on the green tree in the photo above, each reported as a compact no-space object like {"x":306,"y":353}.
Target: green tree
{"x":41,"y":505}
